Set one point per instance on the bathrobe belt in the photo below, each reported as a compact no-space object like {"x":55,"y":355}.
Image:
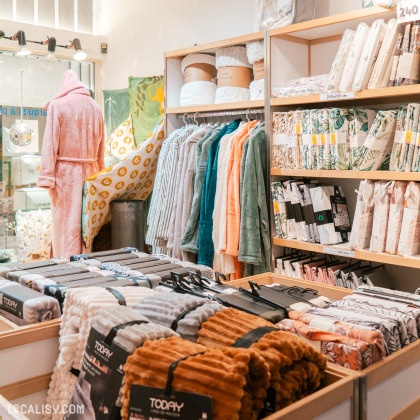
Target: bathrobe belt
{"x":77,"y":160}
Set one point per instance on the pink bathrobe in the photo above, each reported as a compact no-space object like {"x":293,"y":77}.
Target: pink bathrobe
{"x":72,"y":150}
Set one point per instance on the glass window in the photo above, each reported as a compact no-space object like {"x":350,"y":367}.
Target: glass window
{"x":46,"y":13}
{"x":66,"y":14}
{"x":85,"y":16}
{"x":6,"y":9}
{"x":25,"y":11}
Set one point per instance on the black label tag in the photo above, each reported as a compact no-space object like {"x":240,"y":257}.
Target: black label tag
{"x":100,"y":380}
{"x":323,"y":217}
{"x":340,"y":212}
{"x":289,"y":210}
{"x":297,"y":210}
{"x":12,"y":299}
{"x":308,"y":214}
{"x":147,"y":403}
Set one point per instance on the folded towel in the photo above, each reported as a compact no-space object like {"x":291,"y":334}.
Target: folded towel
{"x":102,"y":254}
{"x":80,"y":307}
{"x":127,"y":337}
{"x":236,"y":379}
{"x":24,"y":306}
{"x":296,"y":368}
{"x":183,"y":313}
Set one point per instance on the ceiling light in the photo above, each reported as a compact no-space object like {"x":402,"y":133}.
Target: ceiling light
{"x":79,"y":54}
{"x":51,"y":49}
{"x":20,"y":36}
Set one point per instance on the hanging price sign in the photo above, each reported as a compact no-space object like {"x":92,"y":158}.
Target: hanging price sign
{"x":408,"y":11}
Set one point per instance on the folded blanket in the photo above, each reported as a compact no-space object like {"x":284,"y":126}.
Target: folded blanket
{"x":183,"y":313}
{"x":296,"y":367}
{"x":24,"y":306}
{"x":340,"y":350}
{"x":102,"y":254}
{"x":131,"y":331}
{"x":235,"y":378}
{"x":80,"y":307}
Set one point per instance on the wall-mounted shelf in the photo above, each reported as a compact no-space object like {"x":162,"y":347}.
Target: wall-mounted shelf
{"x":215,"y":107}
{"x":344,"y":250}
{"x":388,"y":95}
{"x":376,"y":175}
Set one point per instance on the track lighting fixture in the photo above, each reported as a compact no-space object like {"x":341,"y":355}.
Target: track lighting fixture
{"x":52,"y":43}
{"x":79,"y":54}
{"x":21,"y":38}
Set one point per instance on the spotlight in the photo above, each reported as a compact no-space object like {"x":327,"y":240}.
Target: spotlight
{"x":20,"y":36}
{"x":79,"y":54}
{"x":52,"y":42}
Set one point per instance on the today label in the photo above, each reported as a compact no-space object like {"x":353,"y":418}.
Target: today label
{"x":336,"y":96}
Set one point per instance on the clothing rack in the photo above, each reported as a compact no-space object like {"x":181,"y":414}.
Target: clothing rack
{"x":221,"y":114}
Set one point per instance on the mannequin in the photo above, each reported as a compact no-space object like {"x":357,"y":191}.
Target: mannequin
{"x":72,"y":150}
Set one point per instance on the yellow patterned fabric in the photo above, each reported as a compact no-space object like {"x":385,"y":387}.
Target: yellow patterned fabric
{"x":130,"y":179}
{"x":121,"y":142}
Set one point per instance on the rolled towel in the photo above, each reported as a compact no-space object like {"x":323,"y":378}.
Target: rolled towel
{"x":256,"y":89}
{"x":232,"y":57}
{"x":183,"y":313}
{"x":296,"y":368}
{"x":197,"y":93}
{"x":24,"y":306}
{"x":235,"y":378}
{"x":231,"y":94}
{"x":80,"y":307}
{"x":255,"y":51}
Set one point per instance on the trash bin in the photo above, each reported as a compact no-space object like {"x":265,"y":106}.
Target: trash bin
{"x":127,"y":224}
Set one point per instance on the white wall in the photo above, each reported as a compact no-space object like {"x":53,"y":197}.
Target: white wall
{"x":139,"y":32}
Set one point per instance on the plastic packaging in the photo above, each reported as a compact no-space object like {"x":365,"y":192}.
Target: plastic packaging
{"x":369,"y":55}
{"x":339,"y":61}
{"x":353,"y":57}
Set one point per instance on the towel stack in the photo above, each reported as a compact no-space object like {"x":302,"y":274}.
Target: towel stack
{"x":255,"y":54}
{"x":80,"y":308}
{"x":199,"y":73}
{"x":182,"y":313}
{"x":296,"y":368}
{"x":235,"y":378}
{"x":234,"y":75}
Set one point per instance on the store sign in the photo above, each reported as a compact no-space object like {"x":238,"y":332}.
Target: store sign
{"x":408,"y":11}
{"x":336,"y":96}
{"x":338,"y":251}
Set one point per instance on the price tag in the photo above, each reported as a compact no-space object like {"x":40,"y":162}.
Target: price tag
{"x":298,"y":131}
{"x":338,"y":251}
{"x":323,"y":139}
{"x":408,"y":135}
{"x":333,"y":139}
{"x":408,"y":11}
{"x":336,"y":96}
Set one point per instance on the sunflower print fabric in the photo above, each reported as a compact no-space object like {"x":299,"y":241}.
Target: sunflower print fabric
{"x":131,"y":179}
{"x":121,"y":142}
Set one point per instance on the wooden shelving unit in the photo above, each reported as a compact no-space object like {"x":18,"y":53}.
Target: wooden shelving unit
{"x":387,"y":95}
{"x":376,"y":175}
{"x":344,"y":250}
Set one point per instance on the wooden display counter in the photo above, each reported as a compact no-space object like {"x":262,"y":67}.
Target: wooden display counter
{"x":27,"y":357}
{"x":389,"y":389}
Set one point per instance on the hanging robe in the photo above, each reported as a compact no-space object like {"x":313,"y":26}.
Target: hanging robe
{"x":72,"y":150}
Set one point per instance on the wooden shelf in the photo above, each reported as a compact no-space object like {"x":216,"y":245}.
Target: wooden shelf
{"x":216,"y":107}
{"x":212,"y":46}
{"x":335,"y":24}
{"x":377,"y":175}
{"x":394,"y":94}
{"x":413,"y":262}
